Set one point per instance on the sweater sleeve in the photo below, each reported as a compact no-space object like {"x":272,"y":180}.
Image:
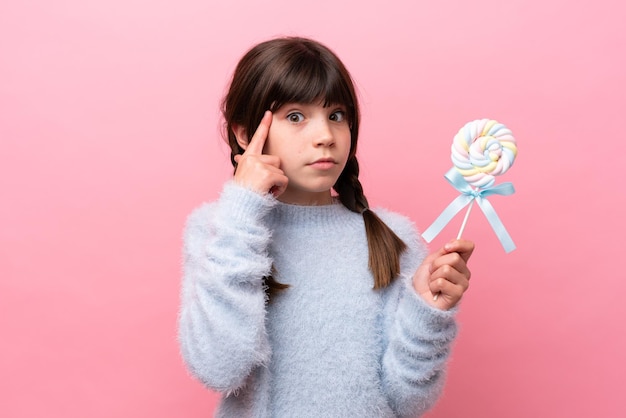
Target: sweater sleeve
{"x":222,"y":332}
{"x":418,"y":338}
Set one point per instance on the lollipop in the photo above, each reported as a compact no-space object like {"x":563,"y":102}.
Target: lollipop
{"x":481,"y":150}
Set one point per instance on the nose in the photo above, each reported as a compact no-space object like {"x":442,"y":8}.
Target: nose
{"x":324,"y":136}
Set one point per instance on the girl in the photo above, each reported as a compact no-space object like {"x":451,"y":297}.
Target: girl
{"x":301,"y":302}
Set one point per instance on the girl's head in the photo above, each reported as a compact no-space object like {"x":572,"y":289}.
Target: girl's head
{"x":287,"y":70}
{"x":299,"y":70}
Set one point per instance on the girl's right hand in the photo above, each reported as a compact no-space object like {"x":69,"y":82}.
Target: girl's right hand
{"x":445,"y":273}
{"x":257,"y":171}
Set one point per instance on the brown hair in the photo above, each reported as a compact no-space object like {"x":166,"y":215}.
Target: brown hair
{"x":300,"y":70}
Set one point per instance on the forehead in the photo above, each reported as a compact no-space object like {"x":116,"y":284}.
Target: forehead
{"x":328,"y":98}
{"x":312,"y":84}
{"x":315,"y":104}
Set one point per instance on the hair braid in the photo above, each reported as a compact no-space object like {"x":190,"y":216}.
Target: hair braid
{"x":383,"y":244}
{"x":349,"y":188}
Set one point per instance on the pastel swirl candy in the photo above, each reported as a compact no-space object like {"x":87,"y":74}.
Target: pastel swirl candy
{"x":483,"y":149}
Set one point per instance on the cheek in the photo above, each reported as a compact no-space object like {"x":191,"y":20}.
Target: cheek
{"x":346,"y":141}
{"x":278,"y":139}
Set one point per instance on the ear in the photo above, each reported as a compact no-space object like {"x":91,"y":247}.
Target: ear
{"x":242,"y":137}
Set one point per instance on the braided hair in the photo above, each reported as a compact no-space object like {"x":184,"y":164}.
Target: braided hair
{"x":383,"y":244}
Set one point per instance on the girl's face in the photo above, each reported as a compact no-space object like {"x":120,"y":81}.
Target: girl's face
{"x":313,"y":144}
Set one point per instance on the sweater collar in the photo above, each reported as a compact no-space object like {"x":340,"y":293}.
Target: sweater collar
{"x":333,"y":214}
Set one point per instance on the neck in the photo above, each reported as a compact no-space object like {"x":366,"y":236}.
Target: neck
{"x":306,"y":199}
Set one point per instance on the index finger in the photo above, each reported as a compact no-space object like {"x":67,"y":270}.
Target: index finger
{"x":465,"y":248}
{"x":257,"y":142}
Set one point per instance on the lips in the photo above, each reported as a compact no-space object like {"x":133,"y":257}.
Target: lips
{"x":323,"y":163}
{"x":324,"y":160}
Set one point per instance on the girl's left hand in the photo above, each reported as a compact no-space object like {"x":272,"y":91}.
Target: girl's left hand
{"x":444,"y":273}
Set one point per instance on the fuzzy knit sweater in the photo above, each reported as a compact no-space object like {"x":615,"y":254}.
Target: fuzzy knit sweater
{"x":329,"y":345}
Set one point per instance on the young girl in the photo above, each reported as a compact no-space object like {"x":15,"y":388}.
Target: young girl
{"x":298,"y":301}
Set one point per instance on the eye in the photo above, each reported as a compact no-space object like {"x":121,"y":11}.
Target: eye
{"x":295,"y":117}
{"x":338,"y":116}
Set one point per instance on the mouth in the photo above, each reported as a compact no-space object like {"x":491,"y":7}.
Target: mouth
{"x":323,"y":163}
{"x":324,"y":160}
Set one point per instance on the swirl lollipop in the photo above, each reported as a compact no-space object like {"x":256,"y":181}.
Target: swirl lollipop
{"x":483,"y":149}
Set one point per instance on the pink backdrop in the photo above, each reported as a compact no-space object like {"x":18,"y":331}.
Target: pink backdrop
{"x":109,"y":137}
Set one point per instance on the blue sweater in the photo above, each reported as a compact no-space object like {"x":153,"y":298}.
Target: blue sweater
{"x":329,"y":345}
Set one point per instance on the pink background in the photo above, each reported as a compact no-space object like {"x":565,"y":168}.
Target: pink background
{"x":109,"y":136}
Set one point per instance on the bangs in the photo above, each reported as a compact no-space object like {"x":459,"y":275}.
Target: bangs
{"x":310,"y":80}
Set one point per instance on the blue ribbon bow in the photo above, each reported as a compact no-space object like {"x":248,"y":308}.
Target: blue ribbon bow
{"x":468,"y":194}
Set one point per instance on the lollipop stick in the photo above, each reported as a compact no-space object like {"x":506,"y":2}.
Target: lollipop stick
{"x":469,"y":209}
